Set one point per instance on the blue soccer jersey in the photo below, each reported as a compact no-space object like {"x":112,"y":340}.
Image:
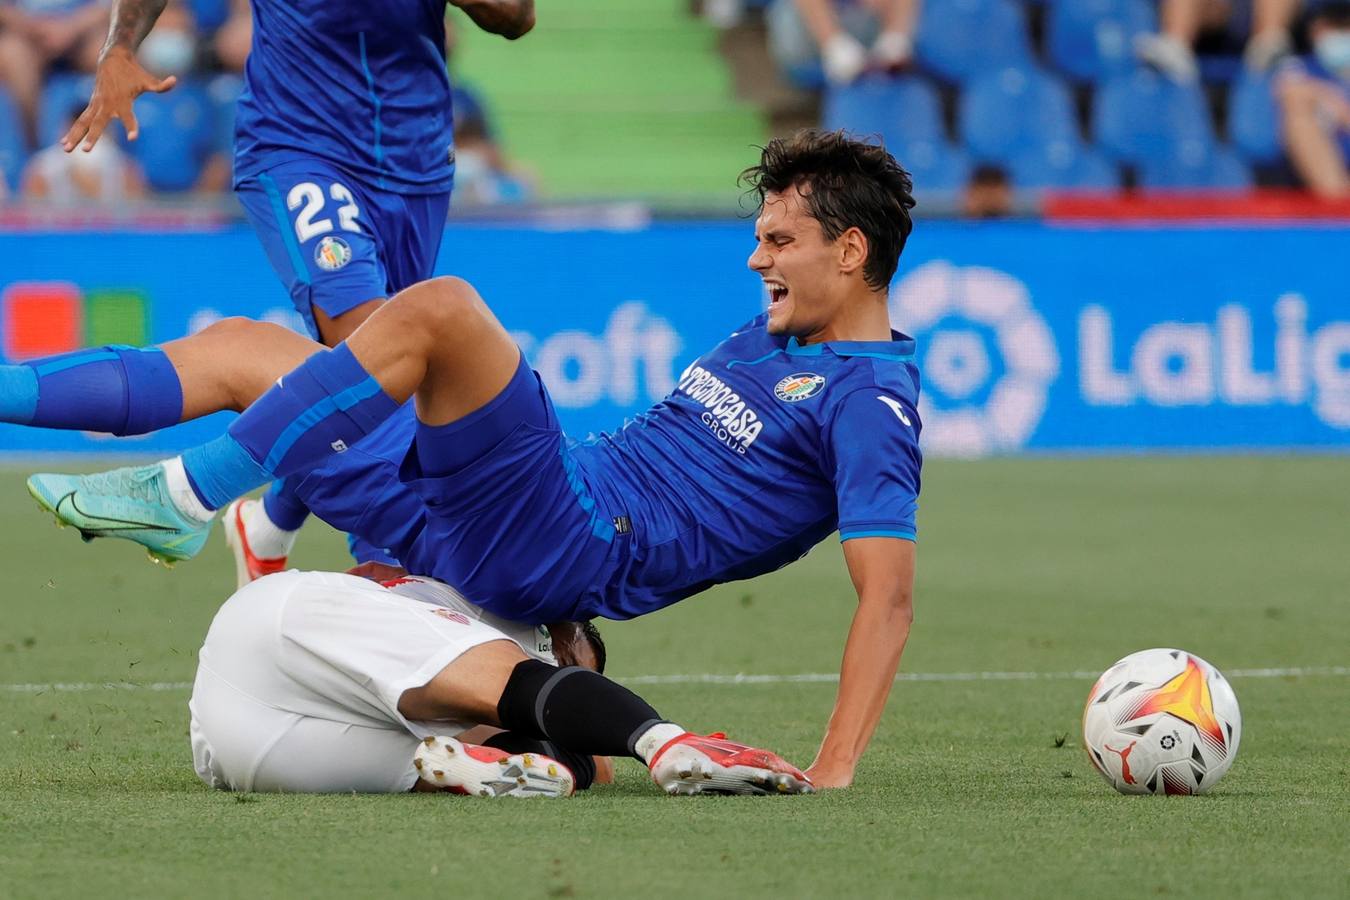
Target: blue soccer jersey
{"x":360,"y":85}
{"x":764,"y":448}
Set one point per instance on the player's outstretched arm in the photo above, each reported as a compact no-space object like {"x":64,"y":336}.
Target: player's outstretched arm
{"x":882,"y":569}
{"x":120,"y":78}
{"x":509,"y":18}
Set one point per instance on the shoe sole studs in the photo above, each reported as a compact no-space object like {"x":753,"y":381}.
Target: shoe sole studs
{"x":159,"y":559}
{"x":517,"y":771}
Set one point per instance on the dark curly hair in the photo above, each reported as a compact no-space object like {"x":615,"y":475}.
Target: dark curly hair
{"x":847,"y":183}
{"x":592,"y":635}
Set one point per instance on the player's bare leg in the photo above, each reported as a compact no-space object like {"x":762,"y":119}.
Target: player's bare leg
{"x":439,"y":341}
{"x":333,"y":330}
{"x":432,"y":325}
{"x":436,"y":340}
{"x":226,"y":366}
{"x":262,"y":531}
{"x":582,"y":713}
{"x":230,"y":363}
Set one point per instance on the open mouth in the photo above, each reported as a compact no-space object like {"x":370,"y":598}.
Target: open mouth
{"x":777,"y":293}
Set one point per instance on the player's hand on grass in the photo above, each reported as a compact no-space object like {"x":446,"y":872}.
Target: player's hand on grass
{"x":118,"y":82}
{"x":824,"y":775}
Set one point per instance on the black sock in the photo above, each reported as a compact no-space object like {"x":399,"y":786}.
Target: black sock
{"x":581,"y":764}
{"x":575,"y":708}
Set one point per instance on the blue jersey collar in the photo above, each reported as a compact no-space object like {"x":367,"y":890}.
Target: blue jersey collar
{"x":899,"y":349}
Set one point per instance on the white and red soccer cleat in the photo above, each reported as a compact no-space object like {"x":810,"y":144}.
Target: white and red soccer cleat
{"x":461,"y":768}
{"x":698,"y":764}
{"x":248,"y":566}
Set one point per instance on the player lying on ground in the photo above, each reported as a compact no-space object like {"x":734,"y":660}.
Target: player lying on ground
{"x":801,"y":423}
{"x":316,"y":682}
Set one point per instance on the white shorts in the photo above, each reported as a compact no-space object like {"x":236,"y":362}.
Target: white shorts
{"x":299,"y":680}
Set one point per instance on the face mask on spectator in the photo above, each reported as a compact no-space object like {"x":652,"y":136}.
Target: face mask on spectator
{"x":1333,"y":52}
{"x":167,"y":52}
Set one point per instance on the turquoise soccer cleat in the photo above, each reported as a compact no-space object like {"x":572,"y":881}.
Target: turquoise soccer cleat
{"x":131,"y":503}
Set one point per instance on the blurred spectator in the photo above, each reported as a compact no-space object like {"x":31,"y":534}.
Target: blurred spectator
{"x":234,"y":38}
{"x":1172,"y":51}
{"x":179,"y":147}
{"x":482,"y":175}
{"x":1314,"y":99}
{"x":35,"y":35}
{"x":839,"y":33}
{"x":723,"y":13}
{"x":988,"y":194}
{"x":171,"y":47}
{"x":105,"y":176}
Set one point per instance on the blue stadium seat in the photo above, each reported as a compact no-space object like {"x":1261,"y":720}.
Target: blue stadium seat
{"x":961,"y":39}
{"x":1254,"y":120}
{"x":64,"y":93}
{"x":1222,"y":69}
{"x":12,"y":150}
{"x":1144,"y":116}
{"x":938,"y":167}
{"x":1093,"y":40}
{"x":178,"y":135}
{"x":898,"y":109}
{"x":224,"y":90}
{"x":1211,"y":169}
{"x":209,"y":14}
{"x":1007,"y":112}
{"x":1065,"y":165}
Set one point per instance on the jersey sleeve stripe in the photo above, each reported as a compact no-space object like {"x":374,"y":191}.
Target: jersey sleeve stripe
{"x":846,"y":535}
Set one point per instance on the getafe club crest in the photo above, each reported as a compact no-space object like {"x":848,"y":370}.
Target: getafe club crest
{"x":332,"y":253}
{"x":795,"y":388}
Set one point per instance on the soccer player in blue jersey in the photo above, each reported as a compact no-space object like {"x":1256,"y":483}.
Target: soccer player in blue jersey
{"x":803,"y":422}
{"x":343,"y":163}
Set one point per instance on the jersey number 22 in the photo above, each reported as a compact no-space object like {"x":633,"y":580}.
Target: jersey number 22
{"x":308,"y":198}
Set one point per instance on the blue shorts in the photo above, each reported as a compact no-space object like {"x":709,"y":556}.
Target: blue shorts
{"x":359,"y":492}
{"x":510,"y":519}
{"x":336,"y":241}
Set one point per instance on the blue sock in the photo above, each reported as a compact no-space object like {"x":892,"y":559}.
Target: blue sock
{"x":119,"y":390}
{"x":18,"y":394}
{"x":324,"y":406}
{"x":221,"y":470}
{"x":287,"y":511}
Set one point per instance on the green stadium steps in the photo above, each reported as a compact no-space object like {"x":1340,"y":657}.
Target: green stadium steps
{"x":616,"y":99}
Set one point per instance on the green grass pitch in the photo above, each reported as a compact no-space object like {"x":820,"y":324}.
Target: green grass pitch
{"x":1036,"y":565}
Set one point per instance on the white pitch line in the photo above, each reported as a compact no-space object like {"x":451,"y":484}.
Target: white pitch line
{"x":800,"y":678}
{"x":1079,"y":675}
{"x":79,"y":687}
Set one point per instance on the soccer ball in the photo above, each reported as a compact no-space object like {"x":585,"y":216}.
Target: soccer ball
{"x":1162,"y":722}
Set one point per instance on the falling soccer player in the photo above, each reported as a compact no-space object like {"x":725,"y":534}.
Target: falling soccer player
{"x":802,"y":423}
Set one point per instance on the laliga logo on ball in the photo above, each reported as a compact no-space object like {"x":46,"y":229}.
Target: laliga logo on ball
{"x":987,"y":358}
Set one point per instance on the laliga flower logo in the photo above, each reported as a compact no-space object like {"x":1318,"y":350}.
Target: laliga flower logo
{"x":986,"y":357}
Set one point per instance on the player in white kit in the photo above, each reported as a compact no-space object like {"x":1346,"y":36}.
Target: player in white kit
{"x":319,"y":682}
